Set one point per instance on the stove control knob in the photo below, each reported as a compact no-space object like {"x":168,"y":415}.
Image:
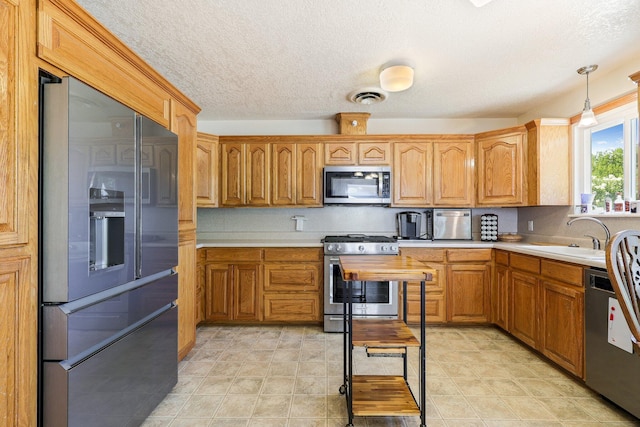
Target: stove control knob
{"x":393,"y":248}
{"x":329,"y":248}
{"x":338,"y":248}
{"x":361,"y":248}
{"x":383,"y":248}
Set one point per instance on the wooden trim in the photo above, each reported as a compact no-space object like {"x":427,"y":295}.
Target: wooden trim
{"x":111,"y":43}
{"x":635,"y":77}
{"x":610,"y":105}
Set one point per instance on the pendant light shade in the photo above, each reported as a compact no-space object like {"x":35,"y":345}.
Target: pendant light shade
{"x":396,"y":77}
{"x":588,"y":118}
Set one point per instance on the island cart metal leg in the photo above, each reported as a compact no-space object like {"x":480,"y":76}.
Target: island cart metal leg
{"x":347,"y":387}
{"x":423,"y":358}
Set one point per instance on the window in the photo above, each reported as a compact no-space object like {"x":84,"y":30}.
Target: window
{"x":607,"y":156}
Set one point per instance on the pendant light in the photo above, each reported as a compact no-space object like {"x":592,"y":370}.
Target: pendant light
{"x":588,"y":118}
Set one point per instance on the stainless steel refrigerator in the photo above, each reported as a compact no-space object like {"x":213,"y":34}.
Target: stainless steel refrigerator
{"x":109,"y":245}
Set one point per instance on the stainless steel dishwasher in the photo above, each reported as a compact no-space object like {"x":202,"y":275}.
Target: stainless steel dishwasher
{"x":610,"y":371}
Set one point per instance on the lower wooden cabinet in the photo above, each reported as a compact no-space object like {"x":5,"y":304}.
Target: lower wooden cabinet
{"x":468,"y":293}
{"x":461,"y":293}
{"x":262,"y":284}
{"x":232,"y":292}
{"x":523,"y":315}
{"x":546,"y":307}
{"x":500,"y":290}
{"x":293,"y":284}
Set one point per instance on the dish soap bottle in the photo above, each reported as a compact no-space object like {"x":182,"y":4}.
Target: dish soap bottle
{"x":618,"y":203}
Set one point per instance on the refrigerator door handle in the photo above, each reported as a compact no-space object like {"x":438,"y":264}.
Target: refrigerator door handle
{"x":138,"y":195}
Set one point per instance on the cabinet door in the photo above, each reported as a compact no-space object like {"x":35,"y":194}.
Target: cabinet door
{"x":166,"y":173}
{"x":232,"y":183}
{"x":183,"y":124}
{"x":340,"y":153}
{"x":523,"y":321}
{"x":283,"y":174}
{"x":500,"y":297}
{"x":17,"y":362}
{"x":200,"y":286}
{"x":207,"y":171}
{"x":468,"y":293}
{"x":186,"y":296}
{"x":562,"y":325}
{"x":500,"y":166}
{"x":15,"y":104}
{"x":246,"y":289}
{"x":412,"y":182}
{"x":218,"y":292}
{"x":257,"y":174}
{"x":378,"y":153}
{"x":453,"y":177}
{"x":308,"y":182}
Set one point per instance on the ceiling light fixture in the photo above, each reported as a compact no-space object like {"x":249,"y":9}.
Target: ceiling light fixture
{"x":480,"y":3}
{"x":396,"y":76}
{"x":588,"y":118}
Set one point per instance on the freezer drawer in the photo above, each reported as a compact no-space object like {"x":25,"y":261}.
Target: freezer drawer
{"x":118,"y":386}
{"x":72,"y":328}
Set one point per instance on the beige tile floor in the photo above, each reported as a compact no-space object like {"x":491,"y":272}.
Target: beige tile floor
{"x":288,"y":376}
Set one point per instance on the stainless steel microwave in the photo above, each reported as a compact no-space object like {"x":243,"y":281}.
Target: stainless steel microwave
{"x":359,"y":185}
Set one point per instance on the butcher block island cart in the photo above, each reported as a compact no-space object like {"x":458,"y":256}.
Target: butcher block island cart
{"x":383,"y":395}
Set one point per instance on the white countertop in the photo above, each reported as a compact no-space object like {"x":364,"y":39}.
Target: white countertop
{"x":524,"y":248}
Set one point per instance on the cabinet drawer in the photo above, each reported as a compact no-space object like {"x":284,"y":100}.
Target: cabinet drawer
{"x":502,"y":258}
{"x":424,"y":254}
{"x":234,"y":254}
{"x":292,"y":277}
{"x":524,"y":262}
{"x":568,"y":273}
{"x":292,"y":307}
{"x":463,"y":255}
{"x":293,"y":254}
{"x":413,"y":288}
{"x":434,"y":309}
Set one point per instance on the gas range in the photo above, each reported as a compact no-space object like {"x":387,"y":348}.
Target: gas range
{"x":360,"y":244}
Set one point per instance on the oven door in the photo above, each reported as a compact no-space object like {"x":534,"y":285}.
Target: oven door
{"x":368,"y":298}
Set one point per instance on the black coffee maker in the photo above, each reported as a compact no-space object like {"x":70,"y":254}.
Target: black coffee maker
{"x":409,"y":225}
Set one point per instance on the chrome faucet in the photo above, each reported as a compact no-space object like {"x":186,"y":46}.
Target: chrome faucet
{"x":596,"y":242}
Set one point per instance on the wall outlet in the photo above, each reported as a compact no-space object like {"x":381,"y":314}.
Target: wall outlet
{"x":530,"y":225}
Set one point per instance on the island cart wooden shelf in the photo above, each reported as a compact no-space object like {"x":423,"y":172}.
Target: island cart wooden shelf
{"x":383,"y":395}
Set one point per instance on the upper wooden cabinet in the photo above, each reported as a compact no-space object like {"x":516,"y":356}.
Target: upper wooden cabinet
{"x":412,"y":179}
{"x":257,"y":175}
{"x":244,"y":174}
{"x":357,"y":153}
{"x":434,"y":171}
{"x":548,"y":160}
{"x":296,"y":174}
{"x":453,"y":173}
{"x":270,"y":171}
{"x":18,"y":113}
{"x":309,"y":174}
{"x":500,"y":167}
{"x":207,"y":170}
{"x":232,"y":174}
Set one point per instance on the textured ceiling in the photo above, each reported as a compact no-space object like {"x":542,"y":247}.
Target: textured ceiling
{"x":299,"y":59}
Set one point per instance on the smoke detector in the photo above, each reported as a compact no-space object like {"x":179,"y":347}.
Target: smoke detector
{"x":367,"y":96}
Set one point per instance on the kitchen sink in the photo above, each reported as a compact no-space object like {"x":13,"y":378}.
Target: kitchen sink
{"x":593,"y":254}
